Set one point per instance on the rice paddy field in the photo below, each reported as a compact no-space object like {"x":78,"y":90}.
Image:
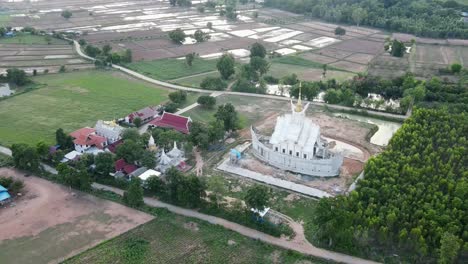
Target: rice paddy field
{"x":173,"y":239}
{"x":40,"y":53}
{"x":143,"y":27}
{"x":71,"y":101}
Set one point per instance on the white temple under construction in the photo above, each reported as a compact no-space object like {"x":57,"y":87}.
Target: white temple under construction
{"x":296,"y":145}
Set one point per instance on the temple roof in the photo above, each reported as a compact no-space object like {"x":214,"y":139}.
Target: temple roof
{"x":297,"y":129}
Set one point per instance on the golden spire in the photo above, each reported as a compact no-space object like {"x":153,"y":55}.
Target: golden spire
{"x":299,"y":101}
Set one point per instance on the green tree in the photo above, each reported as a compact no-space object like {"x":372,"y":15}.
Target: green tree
{"x":258,"y":197}
{"x":127,"y":56}
{"x":201,"y":36}
{"x":213,"y":83}
{"x":92,"y":51}
{"x":133,"y":197}
{"x":106,"y":49}
{"x":25,"y":157}
{"x":130,"y":151}
{"x":189,"y":58}
{"x":449,"y":248}
{"x":216,"y":130}
{"x":137,"y":121}
{"x":177,"y":35}
{"x":185,"y":190}
{"x":66,"y":14}
{"x":156,"y":186}
{"x":218,"y":188}
{"x":228,"y":115}
{"x":259,"y":65}
{"x":225,"y":66}
{"x":178,"y":97}
{"x":42,"y":149}
{"x":17,"y":76}
{"x":104,"y":163}
{"x":398,"y":48}
{"x":359,"y":15}
{"x":206,"y":101}
{"x":199,"y":135}
{"x":257,"y":50}
{"x":131,"y":134}
{"x":148,"y":159}
{"x":339,"y":31}
{"x":455,"y":68}
{"x":333,"y":96}
{"x":231,"y":12}
{"x":84,"y":181}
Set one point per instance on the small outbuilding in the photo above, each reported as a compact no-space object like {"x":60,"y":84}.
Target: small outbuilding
{"x":149,"y":173}
{"x":4,"y":195}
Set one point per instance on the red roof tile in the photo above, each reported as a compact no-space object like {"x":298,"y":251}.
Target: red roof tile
{"x":113,"y":147}
{"x":122,"y":165}
{"x":145,"y":113}
{"x":177,"y":122}
{"x":90,"y":140}
{"x":85,"y":131}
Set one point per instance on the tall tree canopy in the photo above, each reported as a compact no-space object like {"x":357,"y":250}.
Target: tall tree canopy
{"x":412,"y":194}
{"x":428,"y":18}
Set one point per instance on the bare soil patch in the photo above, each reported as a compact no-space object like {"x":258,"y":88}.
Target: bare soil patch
{"x":318,"y":58}
{"x":52,"y":222}
{"x":361,"y":45}
{"x":360,"y":58}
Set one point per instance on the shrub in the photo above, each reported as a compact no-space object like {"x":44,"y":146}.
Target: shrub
{"x":207,"y":101}
{"x":213,"y":83}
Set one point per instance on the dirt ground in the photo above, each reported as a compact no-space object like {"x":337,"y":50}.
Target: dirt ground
{"x":51,"y":222}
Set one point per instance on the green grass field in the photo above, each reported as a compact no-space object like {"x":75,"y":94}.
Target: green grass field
{"x":280,"y":70}
{"x":168,"y":239}
{"x":205,"y":115}
{"x":298,"y":61}
{"x":71,"y":101}
{"x":168,"y":69}
{"x":28,"y":39}
{"x":195,"y":81}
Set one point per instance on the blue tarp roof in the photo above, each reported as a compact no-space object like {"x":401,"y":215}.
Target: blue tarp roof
{"x":3,"y":193}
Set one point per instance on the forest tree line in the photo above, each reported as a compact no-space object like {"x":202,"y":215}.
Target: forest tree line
{"x":412,"y":204}
{"x":425,"y":18}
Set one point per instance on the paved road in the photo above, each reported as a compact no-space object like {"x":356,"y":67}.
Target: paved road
{"x":189,"y":89}
{"x":300,"y":245}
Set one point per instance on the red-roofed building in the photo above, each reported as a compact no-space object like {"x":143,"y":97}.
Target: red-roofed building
{"x":146,"y":114}
{"x":85,"y":138}
{"x":113,"y":147}
{"x":169,"y":120}
{"x":122,"y":166}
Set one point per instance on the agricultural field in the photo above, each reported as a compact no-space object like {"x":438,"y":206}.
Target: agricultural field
{"x":143,"y":27}
{"x":50,"y":222}
{"x":174,"y":239}
{"x":168,"y":69}
{"x":40,"y":53}
{"x":71,"y":101}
